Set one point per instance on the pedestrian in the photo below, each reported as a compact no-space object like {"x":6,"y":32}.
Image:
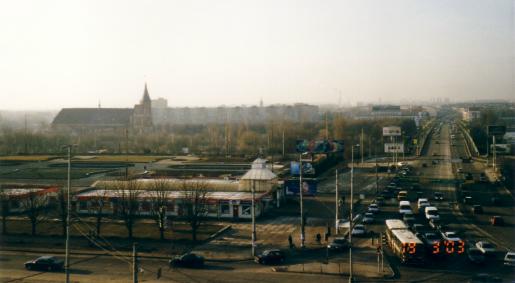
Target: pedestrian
{"x":326,"y":236}
{"x":290,"y":241}
{"x":319,"y":238}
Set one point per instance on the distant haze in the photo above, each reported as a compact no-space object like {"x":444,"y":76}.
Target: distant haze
{"x":56,"y":54}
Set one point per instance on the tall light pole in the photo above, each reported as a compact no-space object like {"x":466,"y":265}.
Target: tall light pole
{"x":67,"y":254}
{"x":350,"y":211}
{"x":253,"y":218}
{"x":336,"y":201}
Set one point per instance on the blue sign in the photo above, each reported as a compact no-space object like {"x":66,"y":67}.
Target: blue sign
{"x":307,"y":168}
{"x":309,"y":187}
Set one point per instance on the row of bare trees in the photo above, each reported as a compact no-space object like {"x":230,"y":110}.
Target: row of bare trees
{"x":127,"y":196}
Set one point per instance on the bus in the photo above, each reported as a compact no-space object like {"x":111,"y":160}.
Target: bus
{"x":403,"y":243}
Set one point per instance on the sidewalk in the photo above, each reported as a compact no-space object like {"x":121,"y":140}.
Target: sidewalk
{"x":364,"y":263}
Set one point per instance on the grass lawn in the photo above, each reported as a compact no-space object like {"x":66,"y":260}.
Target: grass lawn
{"x":27,"y":157}
{"x":142,"y":230}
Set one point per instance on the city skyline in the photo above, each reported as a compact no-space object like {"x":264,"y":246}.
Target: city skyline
{"x":61,"y":54}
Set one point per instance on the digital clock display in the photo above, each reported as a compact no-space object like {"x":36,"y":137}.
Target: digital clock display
{"x":448,"y":247}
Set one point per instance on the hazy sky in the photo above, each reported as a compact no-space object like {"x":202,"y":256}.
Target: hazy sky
{"x":56,"y":54}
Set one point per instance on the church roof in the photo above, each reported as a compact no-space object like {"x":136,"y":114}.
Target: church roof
{"x":146,"y":96}
{"x":93,"y":116}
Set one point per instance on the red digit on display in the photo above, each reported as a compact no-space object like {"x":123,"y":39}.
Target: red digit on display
{"x":436,"y":248}
{"x":412,"y":248}
{"x":449,"y":247}
{"x":461,"y":247}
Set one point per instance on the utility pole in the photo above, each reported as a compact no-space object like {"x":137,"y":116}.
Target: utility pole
{"x":67,"y":255}
{"x":126,"y":154}
{"x":362,"y":147}
{"x":336,"y":201}
{"x":253,"y":218}
{"x":134,"y":264}
{"x":377,"y":177}
{"x":301,"y":192}
{"x":283,"y":142}
{"x":326,"y":127}
{"x":351,"y":211}
{"x":494,"y":151}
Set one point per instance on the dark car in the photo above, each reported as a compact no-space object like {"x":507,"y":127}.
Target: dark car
{"x":468,"y":176}
{"x":495,"y":201}
{"x":497,"y":220}
{"x":338,"y":244}
{"x":468,"y":200}
{"x":187,"y":260}
{"x":270,"y":257}
{"x":49,"y":263}
{"x":438,"y":196}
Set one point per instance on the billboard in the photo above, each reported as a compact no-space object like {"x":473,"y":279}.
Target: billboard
{"x":394,"y":147}
{"x":307,"y":168}
{"x":496,"y":130}
{"x":319,"y":146}
{"x":391,"y":131}
{"x":309,"y":187}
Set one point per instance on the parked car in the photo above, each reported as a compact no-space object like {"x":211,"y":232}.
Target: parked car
{"x":368,"y":218}
{"x":338,"y":244}
{"x":424,"y":164}
{"x":434,"y":162}
{"x":431,"y":212}
{"x":497,"y":220}
{"x":374,"y":208}
{"x":438,"y":196}
{"x":270,"y":257}
{"x":460,"y":170}
{"x":47,"y":263}
{"x":359,"y":230}
{"x":509,"y":259}
{"x":495,"y":201}
{"x":477,"y":209}
{"x":485,"y":247}
{"x":475,"y":256}
{"x":468,"y":200}
{"x":468,"y":176}
{"x":190,"y":260}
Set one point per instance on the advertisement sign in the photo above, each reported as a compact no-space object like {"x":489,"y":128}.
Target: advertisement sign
{"x":496,"y":130}
{"x":393,"y":147}
{"x":391,"y":131}
{"x":319,"y":146}
{"x":309,"y":187}
{"x":501,"y":148}
{"x":307,"y":168}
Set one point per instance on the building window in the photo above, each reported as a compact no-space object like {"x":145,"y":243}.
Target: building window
{"x":246,"y":209}
{"x":225,"y":208}
{"x":212,"y":209}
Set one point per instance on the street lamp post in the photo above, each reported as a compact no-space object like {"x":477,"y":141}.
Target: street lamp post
{"x":301,"y":192}
{"x":351,"y":211}
{"x":67,"y":254}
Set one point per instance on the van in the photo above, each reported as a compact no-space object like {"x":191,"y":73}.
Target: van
{"x":403,"y":195}
{"x":405,"y":207}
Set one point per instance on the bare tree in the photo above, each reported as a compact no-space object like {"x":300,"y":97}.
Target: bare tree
{"x":195,"y":204}
{"x":97,"y":205}
{"x":4,"y":209}
{"x":128,"y":203}
{"x":34,"y":203}
{"x":62,"y":209}
{"x":159,"y":195}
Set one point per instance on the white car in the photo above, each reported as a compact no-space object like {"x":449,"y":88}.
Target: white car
{"x":432,"y":213}
{"x":359,"y":230}
{"x":374,"y":208}
{"x":423,"y":203}
{"x":404,"y":207}
{"x":451,"y":236}
{"x":485,"y":247}
{"x":509,"y":259}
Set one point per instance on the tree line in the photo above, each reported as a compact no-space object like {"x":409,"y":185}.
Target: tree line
{"x":128,"y":195}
